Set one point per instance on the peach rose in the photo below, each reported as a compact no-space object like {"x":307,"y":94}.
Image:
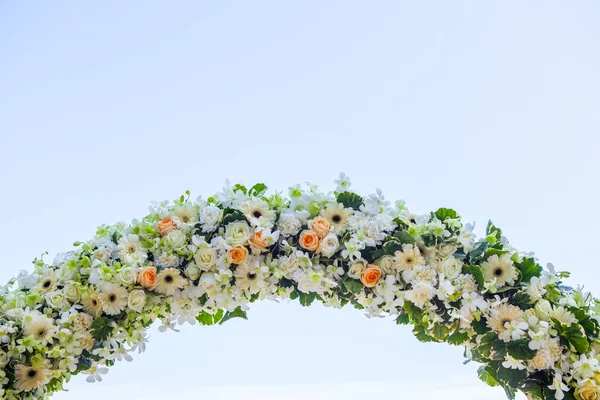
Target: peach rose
{"x":147,"y":277}
{"x":165,"y":225}
{"x":238,"y":254}
{"x":309,"y":240}
{"x":321,"y":227}
{"x":257,"y":240}
{"x":371,"y":275}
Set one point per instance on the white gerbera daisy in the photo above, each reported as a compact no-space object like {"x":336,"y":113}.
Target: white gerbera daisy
{"x":168,"y":281}
{"x":256,"y":208}
{"x":92,"y":304}
{"x":130,"y":250}
{"x":48,"y":282}
{"x":338,"y":217}
{"x":409,"y":258}
{"x":249,"y":277}
{"x":563,"y":315}
{"x":501,"y":269}
{"x":185,"y":214}
{"x":28,"y":378}
{"x":502,"y":316}
{"x":113,"y":298}
{"x":39,"y":326}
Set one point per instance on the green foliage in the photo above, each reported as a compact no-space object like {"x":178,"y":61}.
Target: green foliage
{"x":350,"y":200}
{"x":209,"y":319}
{"x":519,"y":350}
{"x":477,"y":273}
{"x":353,"y":286}
{"x":446,"y":213}
{"x":241,"y":187}
{"x":529,"y":268}
{"x":403,"y":319}
{"x":306,"y":299}
{"x":478,"y":251}
{"x":573,"y":335}
{"x":102,"y":328}
{"x":232,"y":215}
{"x":237,"y":313}
{"x":258,"y":190}
{"x":488,"y":375}
{"x":404,"y":237}
{"x":458,"y":338}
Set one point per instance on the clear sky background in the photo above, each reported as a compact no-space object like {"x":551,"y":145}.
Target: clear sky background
{"x":488,"y":107}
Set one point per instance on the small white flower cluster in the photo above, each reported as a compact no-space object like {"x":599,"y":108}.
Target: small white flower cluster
{"x":206,"y":260}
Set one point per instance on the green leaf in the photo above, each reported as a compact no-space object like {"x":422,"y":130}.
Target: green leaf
{"x":422,"y":335}
{"x":237,"y":313}
{"x":529,"y":268}
{"x":209,"y":319}
{"x":478,"y":251}
{"x":485,"y":344}
{"x":440,"y":332}
{"x":477,"y":273}
{"x":512,"y":377}
{"x":487,"y":375}
{"x":446,"y":213}
{"x":258,"y":190}
{"x":573,"y":335}
{"x":306,"y":299}
{"x":522,"y":300}
{"x":458,"y":338}
{"x":519,"y":350}
{"x":102,"y":328}
{"x":391,"y":247}
{"x":491,"y":229}
{"x":480,"y":327}
{"x":231,"y":215}
{"x":403,"y":319}
{"x":589,"y":324}
{"x":350,"y":200}
{"x":404,"y":237}
{"x":354,"y":286}
{"x":237,"y":187}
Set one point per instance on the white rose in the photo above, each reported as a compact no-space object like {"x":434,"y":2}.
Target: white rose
{"x":71,"y":292}
{"x":57,"y":300}
{"x":446,"y":250}
{"x":192,"y":271}
{"x":329,"y":245}
{"x":205,"y":258}
{"x":176,"y":239}
{"x":289,"y":225}
{"x":207,"y":280}
{"x":137,"y":300}
{"x":543,"y":309}
{"x":3,"y":358}
{"x":237,"y":233}
{"x":386,"y":263}
{"x":451,"y":268}
{"x":357,"y":268}
{"x":128,"y":276}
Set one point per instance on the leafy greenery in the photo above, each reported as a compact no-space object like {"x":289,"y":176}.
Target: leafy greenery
{"x":237,"y":313}
{"x":573,"y":335}
{"x":210,"y":319}
{"x":519,"y":349}
{"x":231,"y":215}
{"x":478,"y":251}
{"x":446,"y":213}
{"x":350,"y":200}
{"x":477,"y":273}
{"x":102,"y":327}
{"x":529,"y":268}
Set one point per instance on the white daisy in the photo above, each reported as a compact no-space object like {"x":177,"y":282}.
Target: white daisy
{"x":501,"y":269}
{"x":113,"y":298}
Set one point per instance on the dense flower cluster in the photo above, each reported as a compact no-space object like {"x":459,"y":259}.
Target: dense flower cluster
{"x":206,"y":260}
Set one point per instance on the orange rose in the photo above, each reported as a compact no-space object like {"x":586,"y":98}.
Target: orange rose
{"x":238,"y":254}
{"x":371,"y":275}
{"x":257,"y":240}
{"x":165,"y":225}
{"x":147,"y":277}
{"x":309,"y":240}
{"x":320,"y":226}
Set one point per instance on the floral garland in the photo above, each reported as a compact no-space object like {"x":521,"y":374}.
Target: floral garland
{"x":206,"y":260}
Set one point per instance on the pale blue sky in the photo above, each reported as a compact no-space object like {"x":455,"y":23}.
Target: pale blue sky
{"x":489,"y":107}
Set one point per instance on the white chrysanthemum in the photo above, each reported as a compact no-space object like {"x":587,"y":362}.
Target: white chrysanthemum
{"x":420,"y":294}
{"x":255,"y":209}
{"x":249,"y":277}
{"x":28,"y":378}
{"x":466,"y":283}
{"x":39,"y":326}
{"x":131,"y":251}
{"x":168,"y":281}
{"x":501,"y":269}
{"x":409,"y":258}
{"x":113,"y":298}
{"x":338,"y":217}
{"x":563,"y":315}
{"x":209,"y":218}
{"x":421,"y":273}
{"x":166,"y":260}
{"x":502,"y":315}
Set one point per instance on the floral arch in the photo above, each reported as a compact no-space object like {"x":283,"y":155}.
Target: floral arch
{"x":205,"y":261}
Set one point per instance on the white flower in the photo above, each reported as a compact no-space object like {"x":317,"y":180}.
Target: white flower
{"x":420,"y":294}
{"x":584,"y":368}
{"x":95,"y":373}
{"x":137,"y":300}
{"x":176,"y":239}
{"x":329,"y":245}
{"x":237,"y":233}
{"x":289,"y":225}
{"x":514,"y":330}
{"x":131,"y":251}
{"x":127,"y":276}
{"x":451,"y":268}
{"x":563,"y":315}
{"x":209,"y":218}
{"x":408,"y":258}
{"x":71,"y":292}
{"x":445,"y":289}
{"x":192,"y":271}
{"x":205,"y":257}
{"x":343,"y":183}
{"x":338,"y":217}
{"x":512,"y":363}
{"x":39,"y":326}
{"x":559,"y":387}
{"x":256,"y":209}
{"x":499,"y":270}
{"x":113,"y":298}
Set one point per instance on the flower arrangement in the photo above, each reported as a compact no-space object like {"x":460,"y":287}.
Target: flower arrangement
{"x":205,"y":261}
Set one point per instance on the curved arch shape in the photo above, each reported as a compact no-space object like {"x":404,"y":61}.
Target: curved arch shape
{"x":206,"y":260}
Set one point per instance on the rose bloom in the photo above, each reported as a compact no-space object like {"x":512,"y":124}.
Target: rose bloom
{"x":257,"y":241}
{"x":371,"y":275}
{"x":165,"y":225}
{"x":320,"y":226}
{"x":309,"y":240}
{"x":147,"y":277}
{"x":238,"y":254}
{"x":587,"y":392}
